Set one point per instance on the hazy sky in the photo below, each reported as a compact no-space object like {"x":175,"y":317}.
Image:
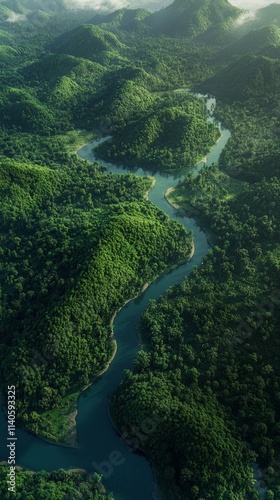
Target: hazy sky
{"x":97,"y":4}
{"x":252,"y":4}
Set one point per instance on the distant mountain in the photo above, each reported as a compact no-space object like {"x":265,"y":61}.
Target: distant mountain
{"x":126,"y":19}
{"x":86,"y":41}
{"x":247,"y":21}
{"x":5,"y":13}
{"x":192,"y":17}
{"x":263,"y":41}
{"x":18,"y":11}
{"x":151,"y":5}
{"x":269,"y":15}
{"x":20,"y":6}
{"x":248,"y":77}
{"x":14,"y":5}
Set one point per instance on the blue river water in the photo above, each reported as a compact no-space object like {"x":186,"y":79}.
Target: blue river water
{"x":128,"y":475}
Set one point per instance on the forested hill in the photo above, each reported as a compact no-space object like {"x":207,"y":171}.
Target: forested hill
{"x":264,"y":41}
{"x":86,"y":41}
{"x":56,"y":484}
{"x":130,"y":20}
{"x":269,"y":14}
{"x":20,"y":6}
{"x":170,"y":134}
{"x":255,"y":77}
{"x":75,"y":243}
{"x":192,"y":17}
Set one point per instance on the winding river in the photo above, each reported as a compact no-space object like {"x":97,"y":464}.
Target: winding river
{"x":129,"y":475}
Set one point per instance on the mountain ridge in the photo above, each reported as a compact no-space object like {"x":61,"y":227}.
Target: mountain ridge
{"x":86,"y":41}
{"x":192,"y":17}
{"x":263,"y":41}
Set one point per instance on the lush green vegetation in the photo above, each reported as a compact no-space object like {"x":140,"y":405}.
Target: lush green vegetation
{"x":263,"y":41}
{"x":87,"y":41}
{"x":215,"y":337}
{"x":75,"y":244}
{"x":213,"y":341}
{"x":124,"y":19}
{"x":252,"y":152}
{"x":251,"y":77}
{"x":269,"y":15}
{"x":228,"y":312}
{"x":193,"y":18}
{"x":57,"y":485}
{"x":211,"y":345}
{"x":67,"y":238}
{"x":173,"y":133}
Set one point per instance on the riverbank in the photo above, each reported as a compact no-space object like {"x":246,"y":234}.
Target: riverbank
{"x":191,"y":213}
{"x":167,"y":280}
{"x":156,"y":495}
{"x":73,"y":434}
{"x":70,"y":435}
{"x":204,"y":159}
{"x":171,"y":203}
{"x":70,"y":439}
{"x":146,"y":195}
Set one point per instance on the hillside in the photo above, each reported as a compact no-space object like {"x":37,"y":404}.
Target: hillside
{"x":23,"y":6}
{"x":5,"y":12}
{"x":249,"y":77}
{"x":249,"y":21}
{"x":4,"y":37}
{"x":21,"y":110}
{"x":192,"y":17}
{"x":124,"y":19}
{"x":65,"y":81}
{"x":7,"y":53}
{"x":269,"y":15}
{"x":86,"y":41}
{"x":15,"y":6}
{"x":264,"y":41}
{"x":81,"y":262}
{"x":119,"y":103}
{"x":171,"y":134}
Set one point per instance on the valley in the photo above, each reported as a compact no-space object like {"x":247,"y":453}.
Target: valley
{"x":78,"y":240}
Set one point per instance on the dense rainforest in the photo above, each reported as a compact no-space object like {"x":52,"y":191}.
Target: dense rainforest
{"x":171,"y":134}
{"x":75,"y":245}
{"x":59,"y":484}
{"x":203,"y":399}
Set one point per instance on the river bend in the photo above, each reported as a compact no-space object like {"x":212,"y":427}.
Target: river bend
{"x":132,"y":478}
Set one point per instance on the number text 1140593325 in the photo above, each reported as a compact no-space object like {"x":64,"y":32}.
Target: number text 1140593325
{"x":11,"y":439}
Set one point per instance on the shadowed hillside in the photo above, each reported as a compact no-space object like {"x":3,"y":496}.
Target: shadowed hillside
{"x":86,"y":41}
{"x":263,"y":41}
{"x":192,"y":17}
{"x":249,"y":77}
